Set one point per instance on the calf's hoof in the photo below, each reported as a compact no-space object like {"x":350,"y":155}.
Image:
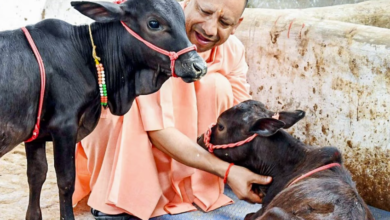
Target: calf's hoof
{"x":98,"y":215}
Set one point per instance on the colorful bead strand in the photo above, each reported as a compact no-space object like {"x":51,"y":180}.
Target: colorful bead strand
{"x":102,"y":83}
{"x":100,"y":72}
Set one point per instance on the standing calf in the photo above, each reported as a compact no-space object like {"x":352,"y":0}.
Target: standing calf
{"x":72,"y":100}
{"x":328,"y":193}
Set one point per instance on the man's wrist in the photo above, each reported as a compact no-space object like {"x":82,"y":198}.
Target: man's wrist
{"x":227,"y":173}
{"x":220,"y":167}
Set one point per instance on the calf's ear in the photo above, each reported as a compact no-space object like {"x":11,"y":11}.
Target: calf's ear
{"x":266,"y":127}
{"x":99,"y":11}
{"x":291,"y":117}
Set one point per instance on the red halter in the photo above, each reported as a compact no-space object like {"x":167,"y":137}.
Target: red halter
{"x":172,"y":55}
{"x":211,"y":147}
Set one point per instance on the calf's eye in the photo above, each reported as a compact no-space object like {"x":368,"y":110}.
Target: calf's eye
{"x":220,"y":127}
{"x":153,"y":24}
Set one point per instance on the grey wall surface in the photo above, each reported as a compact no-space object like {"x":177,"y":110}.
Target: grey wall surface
{"x":336,"y":71}
{"x":283,"y":4}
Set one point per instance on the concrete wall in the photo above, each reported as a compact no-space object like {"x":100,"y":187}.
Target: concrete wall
{"x":338,"y":72}
{"x":14,"y":14}
{"x":61,"y":9}
{"x":371,"y":13}
{"x":282,"y":4}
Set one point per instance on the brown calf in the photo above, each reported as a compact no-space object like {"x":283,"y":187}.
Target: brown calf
{"x":327,"y":194}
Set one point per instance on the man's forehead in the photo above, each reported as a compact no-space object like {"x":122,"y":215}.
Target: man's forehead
{"x":229,"y":9}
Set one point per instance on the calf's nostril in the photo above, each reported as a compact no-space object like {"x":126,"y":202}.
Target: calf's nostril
{"x":197,"y":69}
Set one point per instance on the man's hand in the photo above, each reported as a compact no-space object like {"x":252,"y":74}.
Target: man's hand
{"x":172,"y":142}
{"x":240,"y":181}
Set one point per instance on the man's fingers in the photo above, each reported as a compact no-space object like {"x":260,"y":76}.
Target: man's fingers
{"x":262,"y":180}
{"x":253,"y":198}
{"x":241,"y":181}
{"x":248,"y":196}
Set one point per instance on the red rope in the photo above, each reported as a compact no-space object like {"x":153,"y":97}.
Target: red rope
{"x":43,"y":83}
{"x":211,"y":147}
{"x":172,"y":55}
{"x":314,"y":171}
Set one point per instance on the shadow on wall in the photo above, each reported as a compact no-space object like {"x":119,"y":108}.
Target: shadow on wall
{"x":284,"y":4}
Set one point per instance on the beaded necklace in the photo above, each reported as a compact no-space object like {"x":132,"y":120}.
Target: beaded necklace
{"x":100,"y":73}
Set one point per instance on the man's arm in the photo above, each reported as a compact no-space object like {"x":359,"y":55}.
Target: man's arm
{"x":178,"y":146}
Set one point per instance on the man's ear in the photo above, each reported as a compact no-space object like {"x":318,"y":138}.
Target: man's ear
{"x":266,"y":127}
{"x":236,"y":26}
{"x":291,"y":117}
{"x":186,"y":3}
{"x":99,"y":11}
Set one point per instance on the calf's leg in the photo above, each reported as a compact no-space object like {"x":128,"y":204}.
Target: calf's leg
{"x":64,"y":162}
{"x":36,"y":174}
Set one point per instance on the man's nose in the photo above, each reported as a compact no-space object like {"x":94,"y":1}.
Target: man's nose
{"x":210,"y":27}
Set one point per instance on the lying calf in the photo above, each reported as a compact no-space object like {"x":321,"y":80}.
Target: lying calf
{"x":308,"y":182}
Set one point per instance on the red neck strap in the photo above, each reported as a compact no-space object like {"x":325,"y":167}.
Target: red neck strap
{"x":43,"y":82}
{"x":211,"y":147}
{"x":328,"y":166}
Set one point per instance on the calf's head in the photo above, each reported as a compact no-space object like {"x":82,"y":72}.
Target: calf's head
{"x":244,"y":120}
{"x":159,"y":22}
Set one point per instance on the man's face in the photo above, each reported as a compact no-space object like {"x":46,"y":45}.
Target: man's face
{"x":210,"y":22}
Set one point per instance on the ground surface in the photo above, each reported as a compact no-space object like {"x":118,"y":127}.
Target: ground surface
{"x":14,"y":189}
{"x":14,"y":196}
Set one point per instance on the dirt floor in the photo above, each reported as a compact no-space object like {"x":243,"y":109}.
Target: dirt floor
{"x":14,"y":189}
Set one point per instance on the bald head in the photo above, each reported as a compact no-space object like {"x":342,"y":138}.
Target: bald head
{"x":210,"y":23}
{"x":246,"y":3}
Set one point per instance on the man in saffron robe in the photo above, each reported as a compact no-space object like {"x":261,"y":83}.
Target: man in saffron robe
{"x":134,"y":164}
